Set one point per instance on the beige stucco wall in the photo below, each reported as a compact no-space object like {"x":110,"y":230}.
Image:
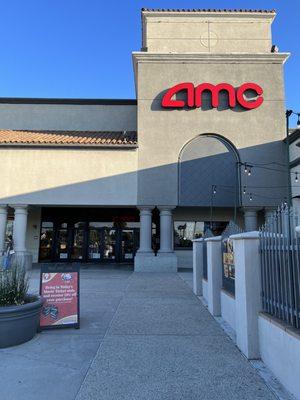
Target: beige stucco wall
{"x":49,"y":176}
{"x":149,"y":175}
{"x":202,"y":32}
{"x":68,"y":176}
{"x":257,"y":134}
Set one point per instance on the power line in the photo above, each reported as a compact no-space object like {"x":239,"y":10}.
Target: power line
{"x":270,"y":163}
{"x":248,"y":167}
{"x":250,"y":194}
{"x":259,"y":187}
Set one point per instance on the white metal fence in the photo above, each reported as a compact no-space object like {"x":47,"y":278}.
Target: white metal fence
{"x":280,"y":266}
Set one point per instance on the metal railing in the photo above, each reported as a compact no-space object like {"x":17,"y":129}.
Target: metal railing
{"x":280,"y":266}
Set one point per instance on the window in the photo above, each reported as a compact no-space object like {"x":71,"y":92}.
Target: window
{"x":9,"y":232}
{"x":95,"y":224}
{"x":186,"y":231}
{"x":46,"y":241}
{"x":9,"y":229}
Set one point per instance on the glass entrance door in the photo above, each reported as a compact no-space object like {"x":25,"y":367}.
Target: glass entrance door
{"x":110,"y":242}
{"x":95,"y":245}
{"x":91,"y":242}
{"x":127,"y":245}
{"x":78,"y":242}
{"x":46,"y":242}
{"x":62,"y":243}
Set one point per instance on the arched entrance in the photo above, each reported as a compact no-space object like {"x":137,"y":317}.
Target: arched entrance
{"x":206,"y":162}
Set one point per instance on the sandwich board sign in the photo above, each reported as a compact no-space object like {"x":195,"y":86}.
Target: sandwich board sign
{"x":59,"y":287}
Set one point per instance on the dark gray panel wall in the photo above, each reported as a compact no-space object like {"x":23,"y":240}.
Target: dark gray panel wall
{"x":86,"y":117}
{"x":206,"y":161}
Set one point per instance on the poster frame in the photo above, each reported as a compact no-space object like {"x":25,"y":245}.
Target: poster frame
{"x":62,"y":268}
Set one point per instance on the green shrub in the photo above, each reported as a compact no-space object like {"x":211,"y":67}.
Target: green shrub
{"x":13,"y":286}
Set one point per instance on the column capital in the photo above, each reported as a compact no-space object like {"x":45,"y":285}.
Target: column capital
{"x":251,"y":210}
{"x":20,"y":208}
{"x":145,"y":210}
{"x":269,"y":211}
{"x":166,"y":209}
{"x":3,"y":209}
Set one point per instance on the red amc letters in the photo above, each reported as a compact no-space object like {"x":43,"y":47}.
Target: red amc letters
{"x":194,"y":95}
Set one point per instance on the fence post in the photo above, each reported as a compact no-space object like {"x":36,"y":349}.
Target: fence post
{"x":214,"y":274}
{"x":197,"y":266}
{"x":247,"y":292}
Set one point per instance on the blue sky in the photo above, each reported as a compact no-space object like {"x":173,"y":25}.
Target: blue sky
{"x":82,"y":48}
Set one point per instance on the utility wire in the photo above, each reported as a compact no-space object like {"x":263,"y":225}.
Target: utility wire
{"x":248,"y":193}
{"x":262,"y":166}
{"x":258,"y":187}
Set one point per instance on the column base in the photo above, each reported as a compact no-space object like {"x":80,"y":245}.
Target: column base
{"x":163,"y":262}
{"x":23,"y":259}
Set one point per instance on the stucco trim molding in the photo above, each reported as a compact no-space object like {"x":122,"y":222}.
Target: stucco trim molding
{"x":200,"y":58}
{"x":228,"y":14}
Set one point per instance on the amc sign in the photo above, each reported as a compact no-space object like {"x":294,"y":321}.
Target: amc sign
{"x":194,"y":95}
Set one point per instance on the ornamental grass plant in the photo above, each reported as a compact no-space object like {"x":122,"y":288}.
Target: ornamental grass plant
{"x":13,"y":286}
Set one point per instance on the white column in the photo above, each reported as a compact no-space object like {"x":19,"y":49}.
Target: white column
{"x":20,"y":225}
{"x":166,"y":228}
{"x":197,"y":266}
{"x":247,"y":292}
{"x":296,"y":204}
{"x":166,"y":260}
{"x":250,"y":220}
{"x":145,"y":230}
{"x":3,"y":221}
{"x":268,"y":213}
{"x":145,"y":260}
{"x":214,"y":274}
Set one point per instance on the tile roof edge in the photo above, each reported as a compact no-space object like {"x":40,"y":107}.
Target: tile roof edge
{"x":63,"y":131}
{"x":72,"y":145}
{"x":68,"y":138}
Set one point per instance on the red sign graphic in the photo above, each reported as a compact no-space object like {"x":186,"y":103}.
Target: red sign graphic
{"x":194,"y":95}
{"x":60,"y":291}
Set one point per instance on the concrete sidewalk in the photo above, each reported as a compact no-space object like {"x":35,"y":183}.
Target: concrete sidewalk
{"x":142,"y":336}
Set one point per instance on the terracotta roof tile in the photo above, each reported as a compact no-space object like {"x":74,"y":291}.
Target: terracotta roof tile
{"x":206,"y":10}
{"x":88,"y":138}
